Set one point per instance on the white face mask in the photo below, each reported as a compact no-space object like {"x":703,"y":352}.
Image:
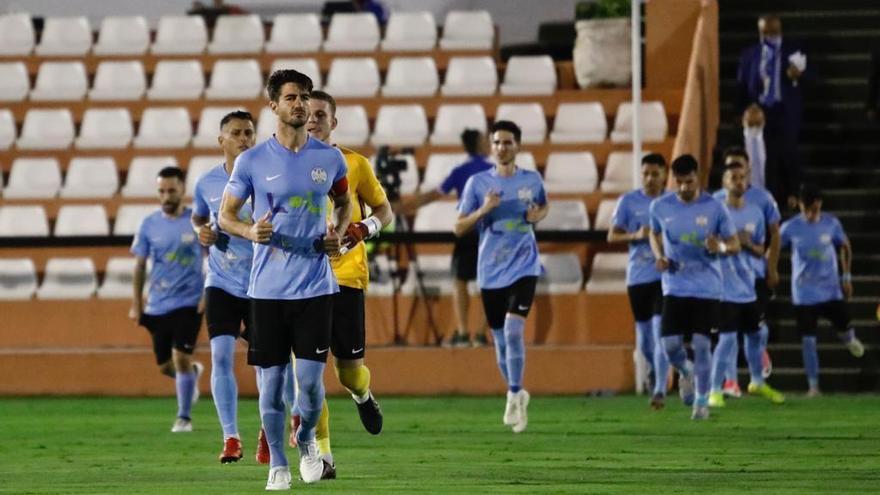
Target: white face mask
{"x":774,"y":41}
{"x":753,"y":132}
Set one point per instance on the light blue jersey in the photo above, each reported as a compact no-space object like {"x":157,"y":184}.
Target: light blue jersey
{"x":631,"y":213}
{"x":814,"y":275}
{"x":176,"y":279}
{"x":508,"y":250}
{"x":229,"y":259}
{"x":684,"y":228}
{"x":761,"y":198}
{"x":738,"y":272}
{"x":293,"y":186}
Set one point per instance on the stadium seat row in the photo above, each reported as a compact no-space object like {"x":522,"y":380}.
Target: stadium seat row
{"x":348,"y":32}
{"x":348,"y":77}
{"x":395,"y":125}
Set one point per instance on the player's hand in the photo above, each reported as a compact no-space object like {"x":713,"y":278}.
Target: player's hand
{"x":207,"y":234}
{"x":793,"y":73}
{"x":847,"y":288}
{"x":355,"y":233}
{"x":713,"y":245}
{"x":491,"y":201}
{"x":135,"y":313}
{"x":642,"y":233}
{"x":772,"y":278}
{"x":261,"y":230}
{"x":662,"y":264}
{"x":200,"y":309}
{"x":532,"y":214}
{"x":332,"y":243}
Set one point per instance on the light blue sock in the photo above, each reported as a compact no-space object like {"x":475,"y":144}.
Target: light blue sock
{"x":645,"y":340}
{"x":732,"y":354}
{"x":811,"y":360}
{"x":754,"y":353}
{"x":661,"y":362}
{"x":764,"y":334}
{"x":272,"y":412}
{"x":676,"y":354}
{"x":501,"y":353}
{"x":702,"y":346}
{"x":185,"y":383}
{"x":224,"y":389}
{"x":721,"y":359}
{"x":516,"y":351}
{"x":310,"y":399}
{"x":290,"y":389}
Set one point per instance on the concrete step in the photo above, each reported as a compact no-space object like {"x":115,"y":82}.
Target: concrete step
{"x":843,"y":177}
{"x":816,"y":40}
{"x":785,"y":331}
{"x":822,"y":64}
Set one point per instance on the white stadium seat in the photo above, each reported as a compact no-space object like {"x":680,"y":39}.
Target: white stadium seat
{"x":470,"y":76}
{"x":565,"y":214}
{"x":526,"y":161}
{"x":16,"y":34}
{"x":604,"y":213}
{"x":60,"y":81}
{"x":381,"y":282}
{"x":130,"y":216}
{"x":452,"y":119}
{"x":46,"y":129}
{"x":69,"y":278}
{"x":436,"y":275}
{"x":165,"y":127}
{"x":571,"y":172}
{"x":77,"y":220}
{"x":118,"y":278}
{"x":105,"y":128}
{"x":119,"y":80}
{"x":410,"y":31}
{"x":528,"y":116}
{"x":209,"y":126}
{"x":123,"y":35}
{"x":33,"y":178}
{"x":438,"y":168}
{"x":14,"y":81}
{"x":140,"y":182}
{"x":184,"y":34}
{"x":353,"y":128}
{"x":235,"y":79}
{"x":411,"y":76}
{"x":89,"y":177}
{"x":23,"y":221}
{"x":579,"y":123}
{"x":267,"y":122}
{"x":608,"y":275}
{"x":67,"y":36}
{"x":653,"y":122}
{"x":237,"y":34}
{"x":353,"y":77}
{"x":352,"y":32}
{"x":400,"y":125}
{"x":307,"y":66}
{"x":177,"y":80}
{"x":7,"y":128}
{"x":295,"y":33}
{"x":468,"y":30}
{"x":529,"y":75}
{"x":619,"y":173}
{"x":563,"y":274}
{"x":198,"y":166}
{"x":18,"y":279}
{"x":439,"y":216}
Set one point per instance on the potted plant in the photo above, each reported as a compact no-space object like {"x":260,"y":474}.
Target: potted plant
{"x":602,"y":55}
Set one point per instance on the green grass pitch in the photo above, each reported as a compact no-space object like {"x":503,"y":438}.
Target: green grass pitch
{"x":457,"y":445}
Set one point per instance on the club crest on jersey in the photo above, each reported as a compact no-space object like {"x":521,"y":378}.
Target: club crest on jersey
{"x":750,"y":227}
{"x":319,"y":175}
{"x":524,"y":194}
{"x":825,"y":238}
{"x":187,"y":238}
{"x":702,"y":220}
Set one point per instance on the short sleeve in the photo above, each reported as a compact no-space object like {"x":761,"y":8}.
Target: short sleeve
{"x":656,"y":226}
{"x":240,"y":183}
{"x":449,"y":183}
{"x":369,"y":189}
{"x":838,"y":236}
{"x":785,"y":235}
{"x":620,"y":217}
{"x":200,"y":205}
{"x":342,"y":168}
{"x":541,"y":196}
{"x":140,"y":246}
{"x":771,"y":211}
{"x":725,"y":227}
{"x":469,"y":201}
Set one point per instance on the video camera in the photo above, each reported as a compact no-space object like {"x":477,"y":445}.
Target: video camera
{"x":389,"y":166}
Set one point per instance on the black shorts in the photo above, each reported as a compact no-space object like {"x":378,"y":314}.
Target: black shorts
{"x":763,"y":294}
{"x":807,"y":317}
{"x":464,"y":257}
{"x":281,"y":326}
{"x":226,"y":313}
{"x":687,"y":315}
{"x":739,"y":317}
{"x":178,"y":329}
{"x":348,"y":336}
{"x":516,"y":298}
{"x":646,"y":300}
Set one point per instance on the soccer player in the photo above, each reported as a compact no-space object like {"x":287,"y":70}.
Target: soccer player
{"x":464,"y":252}
{"x":818,"y":243}
{"x":630,"y":224}
{"x":739,"y":306}
{"x":289,"y":177}
{"x":504,"y":204}
{"x":172,"y":313}
{"x":348,"y":337}
{"x":766,"y":272}
{"x":689,"y":230}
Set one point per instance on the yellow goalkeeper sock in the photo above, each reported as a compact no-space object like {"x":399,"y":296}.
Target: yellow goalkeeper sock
{"x":322,"y":431}
{"x":356,"y":380}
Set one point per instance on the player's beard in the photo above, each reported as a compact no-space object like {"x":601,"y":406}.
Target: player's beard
{"x":170,"y":207}
{"x":296,"y":121}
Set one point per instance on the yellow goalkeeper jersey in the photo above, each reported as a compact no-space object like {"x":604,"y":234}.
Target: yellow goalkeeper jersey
{"x":351,"y":269}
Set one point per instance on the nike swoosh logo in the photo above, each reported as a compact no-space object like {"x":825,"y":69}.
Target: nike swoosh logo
{"x":319,"y":351}
{"x":355,"y":351}
{"x":214,"y":200}
{"x":270,"y":179}
{"x":523,"y":308}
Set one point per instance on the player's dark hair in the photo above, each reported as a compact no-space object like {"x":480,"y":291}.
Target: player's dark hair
{"x":283,"y":76}
{"x":684,"y":165}
{"x":325,"y":96}
{"x":506,"y":125}
{"x":735,"y":151}
{"x":238,"y":114}
{"x":809,"y":194}
{"x":654,"y":159}
{"x":171,"y":171}
{"x":470,"y":139}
